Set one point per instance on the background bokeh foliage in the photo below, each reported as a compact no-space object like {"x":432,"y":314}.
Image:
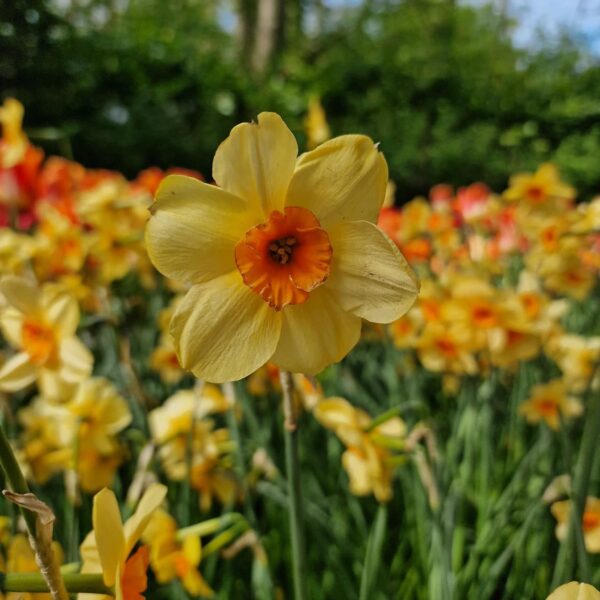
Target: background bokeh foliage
{"x":129,"y":84}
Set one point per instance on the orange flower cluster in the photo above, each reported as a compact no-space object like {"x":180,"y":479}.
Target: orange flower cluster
{"x":501,"y":274}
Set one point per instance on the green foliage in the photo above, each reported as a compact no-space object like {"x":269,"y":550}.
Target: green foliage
{"x":440,"y":85}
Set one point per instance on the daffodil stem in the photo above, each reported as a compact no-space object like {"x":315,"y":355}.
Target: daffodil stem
{"x":43,"y":551}
{"x":581,"y":479}
{"x":295,"y":504}
{"x":14,"y":478}
{"x":74,"y":582}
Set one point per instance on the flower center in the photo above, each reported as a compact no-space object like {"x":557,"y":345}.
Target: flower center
{"x":285,"y":258}
{"x":38,"y":341}
{"x":281,"y":250}
{"x":547,"y":406}
{"x":591,"y":520}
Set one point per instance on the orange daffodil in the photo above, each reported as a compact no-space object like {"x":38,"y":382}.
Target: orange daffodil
{"x":108,"y":547}
{"x":283,"y":258}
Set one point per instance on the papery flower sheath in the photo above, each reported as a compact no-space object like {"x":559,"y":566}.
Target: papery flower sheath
{"x":283,"y":258}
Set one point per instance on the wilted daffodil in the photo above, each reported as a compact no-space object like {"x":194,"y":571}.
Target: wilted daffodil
{"x":575,"y":591}
{"x":107,"y":548}
{"x":41,"y":324}
{"x":284,"y":258}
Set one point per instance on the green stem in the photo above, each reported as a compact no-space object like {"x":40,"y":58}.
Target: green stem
{"x":292,"y":465}
{"x":74,"y":582}
{"x":581,"y":480}
{"x":15,"y":478}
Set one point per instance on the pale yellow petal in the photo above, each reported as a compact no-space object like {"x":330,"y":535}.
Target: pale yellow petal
{"x":11,"y":322}
{"x":223,"y":331}
{"x":135,"y":525}
{"x":575,"y":591}
{"x":193,"y":229}
{"x":17,"y":373}
{"x":110,"y":539}
{"x":335,"y":412}
{"x":369,"y":276}
{"x":256,"y":162}
{"x":358,"y":471}
{"x":343,"y":179}
{"x":54,"y":387}
{"x":20,"y":293}
{"x":76,"y":360}
{"x":61,"y":308}
{"x":315,"y":334}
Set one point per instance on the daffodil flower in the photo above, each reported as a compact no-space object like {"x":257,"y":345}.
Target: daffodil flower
{"x":575,"y":591}
{"x":108,"y":547}
{"x":284,"y":258}
{"x":41,"y":324}
{"x":14,"y":142}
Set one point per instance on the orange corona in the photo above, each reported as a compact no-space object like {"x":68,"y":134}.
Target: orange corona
{"x":285,"y":258}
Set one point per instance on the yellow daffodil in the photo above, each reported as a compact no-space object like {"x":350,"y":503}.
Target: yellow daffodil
{"x":549,"y":402}
{"x":575,"y":591}
{"x":41,"y":324}
{"x":542,"y":189}
{"x":80,"y":433}
{"x":210,"y":472}
{"x":315,"y":124}
{"x":368,"y":459}
{"x":577,"y":357}
{"x":590,"y":522}
{"x":108,"y":547}
{"x":171,"y":558}
{"x":284,"y":258}
{"x":14,"y":142}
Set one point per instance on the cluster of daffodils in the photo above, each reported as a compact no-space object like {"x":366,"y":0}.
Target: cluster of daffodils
{"x":275,"y":267}
{"x":501,"y":276}
{"x":62,"y":223}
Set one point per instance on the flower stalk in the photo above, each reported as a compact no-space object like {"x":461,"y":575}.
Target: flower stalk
{"x":74,"y":582}
{"x":292,"y":464}
{"x":40,"y":544}
{"x":581,"y":479}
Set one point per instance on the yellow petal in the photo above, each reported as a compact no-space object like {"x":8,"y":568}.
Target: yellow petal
{"x":358,"y":471}
{"x":195,"y":584}
{"x":369,"y":276}
{"x":136,"y":524}
{"x":193,"y":229}
{"x":76,"y":360}
{"x":335,"y":412}
{"x":89,"y":554}
{"x":11,"y":322}
{"x":343,"y":179}
{"x":110,"y":539}
{"x":20,"y":293}
{"x":60,"y":308}
{"x":17,"y":373}
{"x":575,"y":591}
{"x":223,"y":331}
{"x":315,"y":334}
{"x":256,"y":162}
{"x":192,"y":549}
